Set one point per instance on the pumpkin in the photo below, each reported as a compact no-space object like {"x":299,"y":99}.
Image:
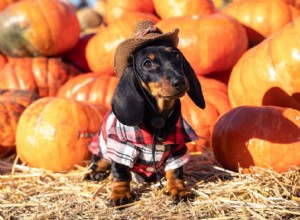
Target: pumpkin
{"x":38,"y":28}
{"x":90,"y":87}
{"x":295,"y":3}
{"x":89,"y":20}
{"x":101,"y":48}
{"x":3,"y":61}
{"x":263,"y":136}
{"x":178,"y":8}
{"x":115,"y":9}
{"x":76,"y":56}
{"x":13,"y":103}
{"x":199,"y":41}
{"x":5,"y":3}
{"x":53,"y":133}
{"x":268,"y":74}
{"x":40,"y":74}
{"x":202,"y":120}
{"x":261,"y":18}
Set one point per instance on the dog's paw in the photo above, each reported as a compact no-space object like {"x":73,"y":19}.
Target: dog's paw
{"x":96,"y":176}
{"x":180,"y":194}
{"x":119,"y":199}
{"x":121,"y":194}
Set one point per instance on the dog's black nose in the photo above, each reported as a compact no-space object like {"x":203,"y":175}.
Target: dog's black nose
{"x":178,"y":83}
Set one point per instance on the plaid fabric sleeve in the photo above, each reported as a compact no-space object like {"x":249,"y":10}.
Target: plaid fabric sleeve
{"x":178,"y":158}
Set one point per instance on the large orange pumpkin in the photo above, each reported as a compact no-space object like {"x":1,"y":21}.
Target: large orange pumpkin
{"x":5,"y":3}
{"x":40,"y":74}
{"x":38,"y":27}
{"x":211,"y":43}
{"x":54,"y":133}
{"x":101,"y":48}
{"x":268,"y":74}
{"x":90,"y":87}
{"x":115,"y":9}
{"x":12,"y":105}
{"x":265,"y":136}
{"x":3,"y":61}
{"x":202,"y":120}
{"x":178,"y":8}
{"x":261,"y":18}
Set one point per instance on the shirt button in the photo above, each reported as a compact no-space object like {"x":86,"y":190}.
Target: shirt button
{"x":150,"y":169}
{"x":160,"y":147}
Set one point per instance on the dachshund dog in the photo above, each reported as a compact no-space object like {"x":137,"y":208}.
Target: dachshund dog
{"x":147,"y":102}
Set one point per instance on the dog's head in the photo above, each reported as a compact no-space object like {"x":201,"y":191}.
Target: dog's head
{"x":156,"y":71}
{"x":164,"y":74}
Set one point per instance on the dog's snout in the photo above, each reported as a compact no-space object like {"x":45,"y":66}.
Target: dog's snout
{"x":178,"y":83}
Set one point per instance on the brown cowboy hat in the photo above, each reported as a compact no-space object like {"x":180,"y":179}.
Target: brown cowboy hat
{"x":144,"y":33}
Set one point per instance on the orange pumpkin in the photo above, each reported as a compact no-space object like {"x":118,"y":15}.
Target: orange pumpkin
{"x":101,"y":48}
{"x":40,"y":31}
{"x":42,"y":75}
{"x":5,"y":3}
{"x":54,"y":133}
{"x":261,"y":18}
{"x":3,"y":61}
{"x":211,"y":43}
{"x":268,"y":74}
{"x":178,"y":8}
{"x":295,"y":3}
{"x":265,"y":136}
{"x":115,"y":9}
{"x":13,"y":103}
{"x":90,"y":87}
{"x":202,"y":120}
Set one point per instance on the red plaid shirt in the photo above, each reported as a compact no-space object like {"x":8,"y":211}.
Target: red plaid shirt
{"x":131,"y":146}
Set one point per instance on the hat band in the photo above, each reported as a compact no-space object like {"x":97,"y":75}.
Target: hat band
{"x":150,"y":29}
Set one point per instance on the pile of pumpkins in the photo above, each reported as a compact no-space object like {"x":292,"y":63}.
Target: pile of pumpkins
{"x":57,"y":77}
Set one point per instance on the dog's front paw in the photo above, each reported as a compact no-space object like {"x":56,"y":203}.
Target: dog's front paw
{"x":95,"y":174}
{"x":178,"y":191}
{"x":121,"y":194}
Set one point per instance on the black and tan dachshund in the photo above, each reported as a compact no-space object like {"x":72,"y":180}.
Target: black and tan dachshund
{"x":148,"y":96}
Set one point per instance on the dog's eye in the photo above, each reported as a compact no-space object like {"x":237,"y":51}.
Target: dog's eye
{"x":147,"y":64}
{"x":176,"y":55}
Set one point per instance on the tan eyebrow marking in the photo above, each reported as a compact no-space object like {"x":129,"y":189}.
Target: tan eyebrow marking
{"x":168,"y":49}
{"x":151,"y":56}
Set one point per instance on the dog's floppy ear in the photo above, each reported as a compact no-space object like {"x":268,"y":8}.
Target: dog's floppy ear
{"x":195,"y":92}
{"x":127,"y":103}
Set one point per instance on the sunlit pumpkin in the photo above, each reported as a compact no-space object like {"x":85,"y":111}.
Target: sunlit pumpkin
{"x":12,"y":105}
{"x":265,"y":136}
{"x":101,"y":48}
{"x":202,"y":120}
{"x":90,"y":87}
{"x":261,"y":18}
{"x":38,"y":27}
{"x":115,"y":9}
{"x":268,"y":74}
{"x":178,"y":8}
{"x":54,"y":133}
{"x":40,"y":74}
{"x":211,"y":43}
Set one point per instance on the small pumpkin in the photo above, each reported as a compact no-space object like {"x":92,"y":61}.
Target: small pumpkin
{"x":90,"y":87}
{"x":261,"y":18}
{"x":202,"y":120}
{"x":178,"y":8}
{"x":264,"y":136}
{"x":115,"y":9}
{"x":40,"y":74}
{"x":202,"y":46}
{"x":268,"y":74}
{"x":35,"y":28}
{"x":101,"y":48}
{"x":53,"y":133}
{"x":12,"y":105}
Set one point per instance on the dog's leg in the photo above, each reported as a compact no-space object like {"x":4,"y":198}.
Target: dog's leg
{"x":120,"y":194}
{"x":175,"y":183}
{"x":100,"y":169}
